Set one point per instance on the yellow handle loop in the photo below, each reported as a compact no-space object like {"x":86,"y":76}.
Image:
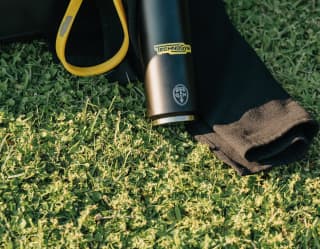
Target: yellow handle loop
{"x":63,"y":34}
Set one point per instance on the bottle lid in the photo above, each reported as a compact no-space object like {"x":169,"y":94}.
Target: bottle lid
{"x":173,"y":119}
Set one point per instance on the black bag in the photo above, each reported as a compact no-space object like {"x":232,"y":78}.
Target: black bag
{"x":27,"y":19}
{"x":94,"y":37}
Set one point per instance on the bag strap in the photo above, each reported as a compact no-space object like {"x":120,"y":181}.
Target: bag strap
{"x":64,"y":31}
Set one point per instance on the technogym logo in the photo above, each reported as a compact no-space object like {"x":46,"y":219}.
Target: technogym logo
{"x":173,"y":48}
{"x":180,"y":94}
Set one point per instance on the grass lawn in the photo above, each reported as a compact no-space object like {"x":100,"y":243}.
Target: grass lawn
{"x":81,"y":166}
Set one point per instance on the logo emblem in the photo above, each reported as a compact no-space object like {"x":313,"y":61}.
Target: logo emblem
{"x":180,"y":94}
{"x":173,"y":48}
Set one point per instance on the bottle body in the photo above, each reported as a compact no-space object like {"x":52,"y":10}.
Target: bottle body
{"x":167,"y":52}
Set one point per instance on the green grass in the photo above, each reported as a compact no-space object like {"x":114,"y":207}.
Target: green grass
{"x":81,"y":166}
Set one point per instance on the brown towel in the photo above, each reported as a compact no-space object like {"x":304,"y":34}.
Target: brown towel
{"x":276,"y":133}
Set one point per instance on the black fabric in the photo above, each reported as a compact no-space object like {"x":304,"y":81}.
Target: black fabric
{"x":27,"y":19}
{"x":245,"y":116}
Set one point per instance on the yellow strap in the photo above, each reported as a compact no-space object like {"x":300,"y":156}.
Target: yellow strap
{"x":64,"y":31}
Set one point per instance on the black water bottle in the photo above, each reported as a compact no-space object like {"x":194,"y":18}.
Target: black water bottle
{"x":166,"y":48}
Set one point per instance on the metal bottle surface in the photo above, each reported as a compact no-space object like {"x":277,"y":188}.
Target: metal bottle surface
{"x":167,"y":52}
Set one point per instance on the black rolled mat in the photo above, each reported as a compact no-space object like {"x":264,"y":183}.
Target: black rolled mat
{"x":248,"y":120}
